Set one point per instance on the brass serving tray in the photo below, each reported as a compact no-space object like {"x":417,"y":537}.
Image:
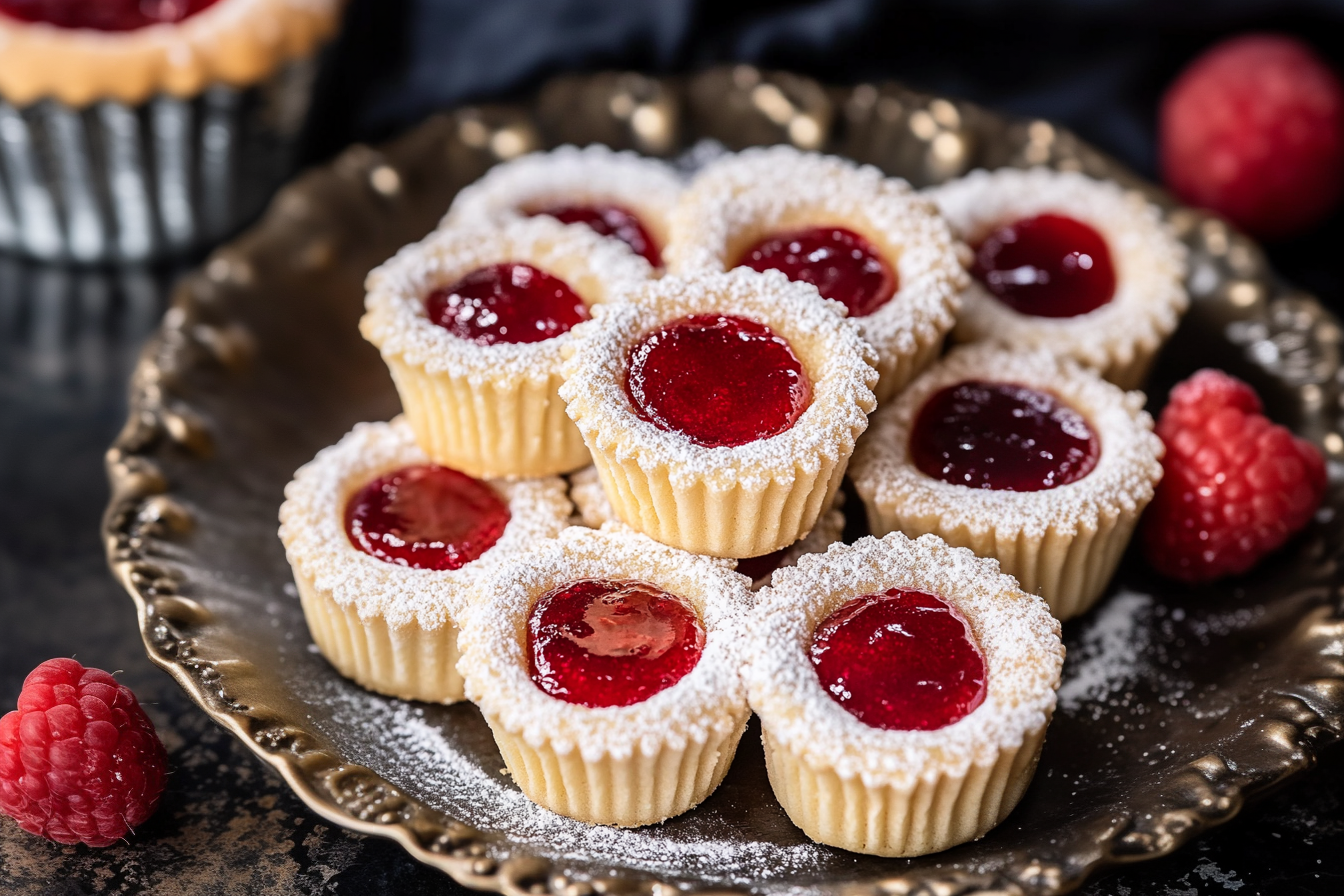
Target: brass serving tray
{"x":1178,"y":704}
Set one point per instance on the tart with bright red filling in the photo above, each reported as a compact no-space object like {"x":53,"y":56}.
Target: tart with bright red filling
{"x":387,"y":547}
{"x":904,"y":689}
{"x":719,"y":398}
{"x":1068,"y":264}
{"x":862,"y":239}
{"x":606,"y":665}
{"x":1021,"y":457}
{"x":473,"y":323}
{"x":619,"y":195}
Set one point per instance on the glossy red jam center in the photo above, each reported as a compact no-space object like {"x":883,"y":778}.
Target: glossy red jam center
{"x":1047,"y":266}
{"x":103,"y":15}
{"x":602,"y":643}
{"x":841,"y":264}
{"x":1002,"y":436}
{"x":425,"y":517}
{"x":900,"y":660}
{"x":719,"y":380}
{"x":610,"y":220}
{"x":509,"y":302}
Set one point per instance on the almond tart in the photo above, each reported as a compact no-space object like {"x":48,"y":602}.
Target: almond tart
{"x":1022,"y":457}
{"x":721,"y":409}
{"x":862,"y":238}
{"x":619,"y":194}
{"x":606,"y":665}
{"x":904,"y":689}
{"x":472,"y":323}
{"x":386,"y":548}
{"x":1066,"y":263}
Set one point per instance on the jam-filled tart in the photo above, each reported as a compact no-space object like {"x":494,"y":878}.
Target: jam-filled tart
{"x":1076,"y":266}
{"x":472,"y":323}
{"x":606,"y":665}
{"x":387,"y":547}
{"x":904,"y":689}
{"x":862,"y":238}
{"x":1022,"y":457}
{"x":721,"y":409}
{"x":621,"y":195}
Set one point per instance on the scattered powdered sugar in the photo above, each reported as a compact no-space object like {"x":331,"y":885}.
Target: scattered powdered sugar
{"x":312,"y":527}
{"x":836,"y":359}
{"x":597,"y":269}
{"x":1149,"y":263}
{"x":1112,"y":651}
{"x":1123,"y":480}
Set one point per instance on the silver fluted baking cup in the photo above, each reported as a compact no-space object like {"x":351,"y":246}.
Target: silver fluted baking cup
{"x":114,"y":182}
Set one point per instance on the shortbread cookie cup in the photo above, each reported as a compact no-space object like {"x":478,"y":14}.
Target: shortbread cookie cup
{"x":1119,"y":339}
{"x":490,"y":410}
{"x":740,"y":199}
{"x":568,"y":175}
{"x":619,"y":765}
{"x":892,"y":792}
{"x":1062,"y":543}
{"x":391,"y":628}
{"x":740,"y":501}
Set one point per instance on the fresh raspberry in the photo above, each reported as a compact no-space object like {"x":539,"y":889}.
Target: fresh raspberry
{"x":1234,"y":487}
{"x":79,"y":759}
{"x":1254,"y":130}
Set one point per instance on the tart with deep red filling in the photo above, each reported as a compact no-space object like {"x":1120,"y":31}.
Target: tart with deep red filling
{"x":472,"y":323}
{"x":863,"y":239}
{"x":386,"y":547}
{"x":1021,"y":457}
{"x":621,"y":195}
{"x":904,"y":689}
{"x":606,"y":665}
{"x":1075,"y":266}
{"x":721,"y":409}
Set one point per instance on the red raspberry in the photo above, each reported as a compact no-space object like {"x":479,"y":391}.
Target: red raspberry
{"x":1234,"y":487}
{"x":79,"y":759}
{"x":1254,"y":129}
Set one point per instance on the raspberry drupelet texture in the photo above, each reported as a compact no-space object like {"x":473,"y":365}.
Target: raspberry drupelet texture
{"x":1235,"y":486}
{"x":79,"y":759}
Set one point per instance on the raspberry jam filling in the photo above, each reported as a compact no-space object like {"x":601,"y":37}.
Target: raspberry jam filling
{"x":1047,"y":266}
{"x":841,"y":264}
{"x":901,"y":660}
{"x":1002,"y":436}
{"x":509,"y":302}
{"x":718,"y":379}
{"x":601,"y":643}
{"x":425,"y":517}
{"x":609,"y":220}
{"x":103,"y":15}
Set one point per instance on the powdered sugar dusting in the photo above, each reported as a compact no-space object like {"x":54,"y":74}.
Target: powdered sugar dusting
{"x":1113,"y":648}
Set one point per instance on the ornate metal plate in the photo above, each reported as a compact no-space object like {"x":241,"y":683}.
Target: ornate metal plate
{"x":1177,"y":705}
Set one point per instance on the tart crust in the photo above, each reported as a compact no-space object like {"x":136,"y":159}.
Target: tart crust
{"x":901,"y":793}
{"x":392,"y":628}
{"x":1062,"y":543}
{"x":490,"y":410}
{"x":236,"y":42}
{"x":738,"y":501}
{"x":1120,"y":338}
{"x":594,"y":174}
{"x":619,"y":765}
{"x":742,"y":198}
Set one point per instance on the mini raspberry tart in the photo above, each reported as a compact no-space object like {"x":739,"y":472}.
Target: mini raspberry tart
{"x":721,"y":409}
{"x":904,"y":689}
{"x":619,"y":194}
{"x":1022,"y":457}
{"x":387,"y":547}
{"x":1075,"y":266}
{"x":863,"y":239}
{"x":607,"y":667}
{"x":472,"y":323}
